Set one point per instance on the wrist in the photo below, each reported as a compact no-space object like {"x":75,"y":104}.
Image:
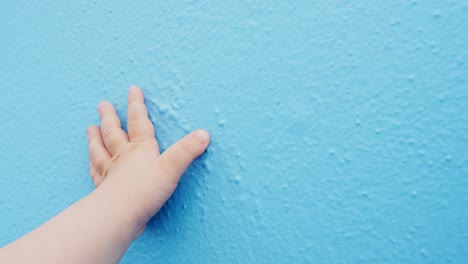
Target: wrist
{"x":119,"y":207}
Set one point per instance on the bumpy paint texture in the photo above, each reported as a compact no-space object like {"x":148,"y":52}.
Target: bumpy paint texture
{"x":339,"y":128}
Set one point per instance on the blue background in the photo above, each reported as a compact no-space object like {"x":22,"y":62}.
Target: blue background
{"x":339,"y":128}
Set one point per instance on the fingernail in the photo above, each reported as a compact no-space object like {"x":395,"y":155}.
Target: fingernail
{"x":202,"y":135}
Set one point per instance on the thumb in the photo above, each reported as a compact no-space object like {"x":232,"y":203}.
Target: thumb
{"x":176,"y":159}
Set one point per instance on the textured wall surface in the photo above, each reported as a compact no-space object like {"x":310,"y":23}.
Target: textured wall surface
{"x":339,"y":128}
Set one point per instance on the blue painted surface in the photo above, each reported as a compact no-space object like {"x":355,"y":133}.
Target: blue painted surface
{"x":339,"y":128}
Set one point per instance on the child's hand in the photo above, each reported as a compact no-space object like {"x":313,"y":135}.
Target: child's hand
{"x":134,"y":181}
{"x":132,"y":171}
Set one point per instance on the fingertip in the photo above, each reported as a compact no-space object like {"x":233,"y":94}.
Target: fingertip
{"x":103,"y":106}
{"x":203,"y":136}
{"x":133,"y":87}
{"x":135,"y":94}
{"x":176,"y":159}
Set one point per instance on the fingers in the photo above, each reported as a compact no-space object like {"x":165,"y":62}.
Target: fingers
{"x":176,"y":159}
{"x":99,"y":157}
{"x":113,"y":136}
{"x":140,"y":128}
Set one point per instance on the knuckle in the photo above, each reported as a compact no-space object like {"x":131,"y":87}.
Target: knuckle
{"x":137,"y":110}
{"x":133,"y":122}
{"x":168,"y":167}
{"x":91,"y":139}
{"x":108,"y":135}
{"x":141,"y":129}
{"x":185,"y":150}
{"x":111,"y":120}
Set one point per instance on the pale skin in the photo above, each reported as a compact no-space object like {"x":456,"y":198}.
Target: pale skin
{"x":133,"y":181}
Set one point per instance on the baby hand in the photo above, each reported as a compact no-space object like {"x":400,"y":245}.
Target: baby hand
{"x":128,"y":168}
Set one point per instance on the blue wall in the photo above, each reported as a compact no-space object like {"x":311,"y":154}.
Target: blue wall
{"x":339,"y":128}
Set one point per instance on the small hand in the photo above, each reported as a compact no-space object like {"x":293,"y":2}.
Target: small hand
{"x":130,"y":166}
